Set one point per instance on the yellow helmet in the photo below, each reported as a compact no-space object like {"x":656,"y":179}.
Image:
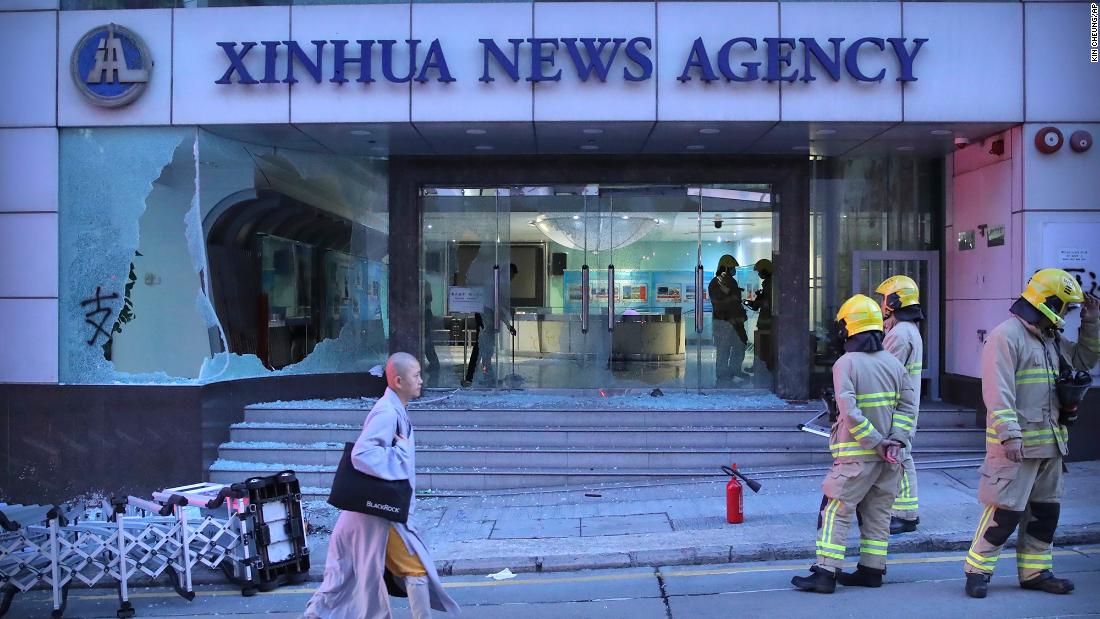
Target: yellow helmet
{"x":728,"y":263}
{"x":1053,"y":292}
{"x":763,"y":266}
{"x":860,"y":313}
{"x":899,"y":291}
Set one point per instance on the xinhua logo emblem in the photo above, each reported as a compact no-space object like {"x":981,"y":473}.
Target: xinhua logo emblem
{"x":111,"y":66}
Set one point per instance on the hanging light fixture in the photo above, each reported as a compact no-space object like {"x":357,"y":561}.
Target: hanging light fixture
{"x":597,"y":232}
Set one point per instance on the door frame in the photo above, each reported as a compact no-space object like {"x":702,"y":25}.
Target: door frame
{"x":789,"y":178}
{"x":930,"y":302}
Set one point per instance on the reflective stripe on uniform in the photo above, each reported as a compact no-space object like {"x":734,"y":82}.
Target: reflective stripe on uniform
{"x":905,"y":501}
{"x":825,"y":548}
{"x":882,"y":398}
{"x":861,"y":430}
{"x":1004,"y":416}
{"x":1046,"y":436}
{"x":1036,"y":562}
{"x":850,"y":449}
{"x":903,"y":421}
{"x":1035,"y":376}
{"x":872,"y":547}
{"x":915,"y":368}
{"x":973,"y":558}
{"x":980,"y":562}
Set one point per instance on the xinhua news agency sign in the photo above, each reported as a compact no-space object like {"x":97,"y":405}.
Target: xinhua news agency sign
{"x":771,"y":59}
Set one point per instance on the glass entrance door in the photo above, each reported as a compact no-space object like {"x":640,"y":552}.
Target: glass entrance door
{"x":606,"y":286}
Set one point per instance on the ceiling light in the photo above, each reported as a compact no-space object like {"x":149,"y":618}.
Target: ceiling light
{"x":905,"y":149}
{"x":626,"y":216}
{"x":454,"y":240}
{"x":483,"y":147}
{"x":475,"y":132}
{"x":429,"y":226}
{"x":941,"y":132}
{"x":825,"y":132}
{"x":719,"y":239}
{"x":589,"y":147}
{"x":695,"y":147}
{"x":576,"y":217}
{"x":709,"y":131}
{"x":592,"y":131}
{"x":360,"y":132}
{"x":657,"y":220}
{"x":759,"y":239}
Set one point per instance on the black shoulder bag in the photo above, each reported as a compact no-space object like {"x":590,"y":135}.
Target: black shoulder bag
{"x":355,"y":491}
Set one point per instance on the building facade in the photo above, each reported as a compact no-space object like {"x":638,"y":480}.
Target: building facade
{"x":234,"y":203}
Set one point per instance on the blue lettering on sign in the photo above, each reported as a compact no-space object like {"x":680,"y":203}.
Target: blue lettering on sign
{"x":772,"y":59}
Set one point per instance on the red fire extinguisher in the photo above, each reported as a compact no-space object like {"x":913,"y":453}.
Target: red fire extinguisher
{"x":735,"y":502}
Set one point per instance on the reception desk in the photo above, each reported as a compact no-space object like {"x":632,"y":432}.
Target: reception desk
{"x":638,"y":337}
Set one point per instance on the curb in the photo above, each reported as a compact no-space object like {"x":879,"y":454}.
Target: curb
{"x":1072,"y":535}
{"x":710,"y":555}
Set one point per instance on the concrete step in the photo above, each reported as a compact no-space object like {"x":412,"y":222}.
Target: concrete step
{"x":316,"y":480}
{"x":544,"y":437}
{"x":328,"y":454}
{"x":931,"y":417}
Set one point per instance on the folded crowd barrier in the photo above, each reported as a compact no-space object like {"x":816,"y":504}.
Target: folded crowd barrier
{"x":252,"y":531}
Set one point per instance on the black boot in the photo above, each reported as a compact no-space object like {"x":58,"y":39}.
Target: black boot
{"x":903,"y":525}
{"x":821,"y":580}
{"x":977,"y":585}
{"x":863,"y":577}
{"x":1047,"y":582}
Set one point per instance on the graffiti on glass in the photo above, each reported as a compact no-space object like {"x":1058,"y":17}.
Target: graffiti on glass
{"x":104,"y":314}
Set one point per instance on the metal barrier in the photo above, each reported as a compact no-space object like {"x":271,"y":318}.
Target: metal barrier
{"x":253,"y":531}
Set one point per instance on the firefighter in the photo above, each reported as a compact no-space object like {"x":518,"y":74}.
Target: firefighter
{"x":1023,"y":362}
{"x":728,"y":323}
{"x":876,"y":412}
{"x":901,"y":311}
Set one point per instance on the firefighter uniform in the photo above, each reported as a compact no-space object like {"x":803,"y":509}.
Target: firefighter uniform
{"x":875,"y":399}
{"x":875,"y":402}
{"x":1020,"y":362}
{"x":903,"y":340}
{"x":901,"y":307}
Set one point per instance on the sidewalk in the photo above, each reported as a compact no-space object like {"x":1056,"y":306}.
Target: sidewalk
{"x":684,"y":524}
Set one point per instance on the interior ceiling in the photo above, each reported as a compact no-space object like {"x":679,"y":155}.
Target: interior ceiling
{"x":923,"y":140}
{"x":677,"y":220}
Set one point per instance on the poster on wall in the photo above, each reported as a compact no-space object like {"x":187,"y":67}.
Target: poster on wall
{"x":669,"y":292}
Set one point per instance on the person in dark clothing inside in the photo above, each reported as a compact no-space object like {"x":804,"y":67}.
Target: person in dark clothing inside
{"x":762,"y":303}
{"x":486,"y":338}
{"x":429,"y":323}
{"x":728,"y":325}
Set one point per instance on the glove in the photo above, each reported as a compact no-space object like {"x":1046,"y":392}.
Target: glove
{"x":1090,"y":309}
{"x":1014,"y":450}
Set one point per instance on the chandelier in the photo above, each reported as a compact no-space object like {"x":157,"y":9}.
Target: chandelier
{"x":596,"y":232}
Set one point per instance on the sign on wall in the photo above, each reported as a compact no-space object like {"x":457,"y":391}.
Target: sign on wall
{"x":110,"y":66}
{"x":774,"y":59}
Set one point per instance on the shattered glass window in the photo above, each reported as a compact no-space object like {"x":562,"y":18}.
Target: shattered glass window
{"x":188,"y":257}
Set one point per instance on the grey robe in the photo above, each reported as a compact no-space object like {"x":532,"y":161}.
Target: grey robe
{"x":353,"y":587}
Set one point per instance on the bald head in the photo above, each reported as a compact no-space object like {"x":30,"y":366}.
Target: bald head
{"x":403,"y":375}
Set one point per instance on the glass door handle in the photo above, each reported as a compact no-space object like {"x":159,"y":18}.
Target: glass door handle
{"x":699,"y":298}
{"x":585,"y":298}
{"x":610,"y":297}
{"x":496,"y":297}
